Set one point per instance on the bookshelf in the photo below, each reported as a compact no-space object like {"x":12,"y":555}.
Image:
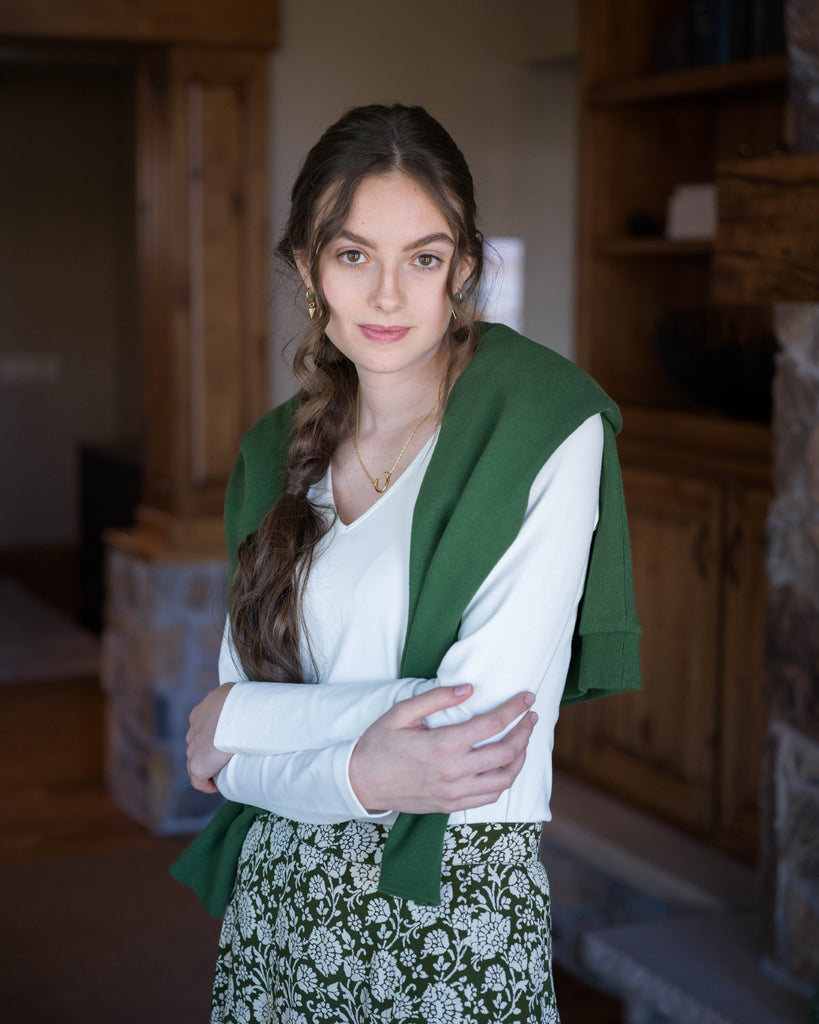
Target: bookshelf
{"x":697,"y":478}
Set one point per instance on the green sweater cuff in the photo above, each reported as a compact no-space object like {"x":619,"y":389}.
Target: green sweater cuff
{"x":411,"y":861}
{"x":603,"y":663}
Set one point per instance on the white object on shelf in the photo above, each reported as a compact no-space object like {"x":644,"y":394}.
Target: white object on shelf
{"x":692,"y":212}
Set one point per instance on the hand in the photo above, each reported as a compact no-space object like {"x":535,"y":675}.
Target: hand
{"x":399,"y":764}
{"x":204,"y":760}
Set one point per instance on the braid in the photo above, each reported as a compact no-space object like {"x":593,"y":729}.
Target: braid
{"x":274,"y":562}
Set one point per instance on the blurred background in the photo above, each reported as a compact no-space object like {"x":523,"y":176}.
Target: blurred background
{"x":646,"y":177}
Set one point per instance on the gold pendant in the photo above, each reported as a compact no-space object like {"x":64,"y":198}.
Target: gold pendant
{"x":387,"y":475}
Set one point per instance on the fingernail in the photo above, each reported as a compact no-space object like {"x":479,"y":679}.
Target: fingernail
{"x":533,"y":717}
{"x":529,"y":698}
{"x":460,"y":688}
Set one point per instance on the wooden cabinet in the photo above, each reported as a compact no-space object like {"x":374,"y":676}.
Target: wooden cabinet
{"x":657,"y":746}
{"x":744,"y":710}
{"x":696,"y":477}
{"x":688,"y":745}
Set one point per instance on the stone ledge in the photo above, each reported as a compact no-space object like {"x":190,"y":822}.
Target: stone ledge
{"x":643,"y":853}
{"x":699,"y":968}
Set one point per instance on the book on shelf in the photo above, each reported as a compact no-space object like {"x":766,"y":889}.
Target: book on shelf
{"x":705,"y":32}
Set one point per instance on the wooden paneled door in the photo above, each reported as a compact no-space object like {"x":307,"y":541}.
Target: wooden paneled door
{"x":657,"y":746}
{"x":688,"y":745}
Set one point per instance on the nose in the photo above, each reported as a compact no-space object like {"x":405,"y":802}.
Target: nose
{"x":388,"y":296}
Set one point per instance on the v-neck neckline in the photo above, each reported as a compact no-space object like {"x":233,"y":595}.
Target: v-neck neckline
{"x":409,"y":471}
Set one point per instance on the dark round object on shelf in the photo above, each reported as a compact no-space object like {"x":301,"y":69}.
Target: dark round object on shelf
{"x":721,"y":357}
{"x":641,"y":224}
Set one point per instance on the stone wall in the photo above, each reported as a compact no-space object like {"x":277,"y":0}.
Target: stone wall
{"x":802,"y":30}
{"x":789,"y":869}
{"x":790,"y":842}
{"x":161,"y":644}
{"x":795,"y":931}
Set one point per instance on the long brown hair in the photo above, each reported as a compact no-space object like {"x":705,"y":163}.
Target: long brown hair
{"x":274,"y":562}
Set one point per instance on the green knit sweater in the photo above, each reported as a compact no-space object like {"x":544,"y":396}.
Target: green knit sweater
{"x":508,"y":412}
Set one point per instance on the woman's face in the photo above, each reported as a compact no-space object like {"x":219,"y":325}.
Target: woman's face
{"x":385,"y":279}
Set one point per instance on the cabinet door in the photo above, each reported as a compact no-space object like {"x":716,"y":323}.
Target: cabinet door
{"x":744,"y":713}
{"x":656,"y":746}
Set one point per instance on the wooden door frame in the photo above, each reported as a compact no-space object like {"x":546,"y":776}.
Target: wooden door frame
{"x":201,"y":75}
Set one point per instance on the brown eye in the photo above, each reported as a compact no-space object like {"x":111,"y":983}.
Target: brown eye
{"x":427,"y":260}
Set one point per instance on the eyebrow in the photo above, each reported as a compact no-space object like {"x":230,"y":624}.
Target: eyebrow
{"x":420,"y":243}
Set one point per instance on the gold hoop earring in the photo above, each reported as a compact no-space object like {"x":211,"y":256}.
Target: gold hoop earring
{"x":310,"y":295}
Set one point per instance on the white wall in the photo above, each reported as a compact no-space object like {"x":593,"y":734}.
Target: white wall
{"x":470,"y":63}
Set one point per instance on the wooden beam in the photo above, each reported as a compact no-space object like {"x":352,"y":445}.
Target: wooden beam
{"x":251,"y":23}
{"x":767,"y":244}
{"x":202,"y":242}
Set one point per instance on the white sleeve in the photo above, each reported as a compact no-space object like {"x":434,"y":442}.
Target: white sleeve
{"x":515,"y":635}
{"x":311,"y":785}
{"x":279,"y":718}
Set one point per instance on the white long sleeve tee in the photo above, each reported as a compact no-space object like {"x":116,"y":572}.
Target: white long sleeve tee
{"x":292,"y":743}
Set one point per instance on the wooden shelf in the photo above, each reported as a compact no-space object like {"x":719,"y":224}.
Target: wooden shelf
{"x":703,"y":437}
{"x":697,"y":481}
{"x":770,"y":70}
{"x":653,"y":247}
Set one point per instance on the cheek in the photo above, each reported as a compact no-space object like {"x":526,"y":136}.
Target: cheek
{"x":335,"y":296}
{"x":433,"y":295}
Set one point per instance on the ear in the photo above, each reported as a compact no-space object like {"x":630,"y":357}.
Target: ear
{"x":467,"y":265}
{"x":303,"y":268}
{"x":464,"y":272}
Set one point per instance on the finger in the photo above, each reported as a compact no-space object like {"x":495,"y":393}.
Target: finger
{"x":492,"y":785}
{"x":496,"y":755}
{"x":501,"y":778}
{"x":412,"y":711}
{"x":487,"y":787}
{"x":484,"y":726}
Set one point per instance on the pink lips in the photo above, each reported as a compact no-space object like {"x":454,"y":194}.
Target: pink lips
{"x":385,"y":335}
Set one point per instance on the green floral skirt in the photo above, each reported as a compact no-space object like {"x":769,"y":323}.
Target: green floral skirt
{"x":307,"y":938}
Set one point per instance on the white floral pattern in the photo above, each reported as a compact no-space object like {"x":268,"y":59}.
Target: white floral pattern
{"x":307,"y":938}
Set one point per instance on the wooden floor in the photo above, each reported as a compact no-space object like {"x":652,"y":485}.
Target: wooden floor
{"x":51,"y":760}
{"x":52,"y":743}
{"x":55,"y":803}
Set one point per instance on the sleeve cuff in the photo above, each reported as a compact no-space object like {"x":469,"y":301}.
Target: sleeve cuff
{"x":357,"y":809}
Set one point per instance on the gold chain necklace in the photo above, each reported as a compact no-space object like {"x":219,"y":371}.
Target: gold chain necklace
{"x":375,"y":480}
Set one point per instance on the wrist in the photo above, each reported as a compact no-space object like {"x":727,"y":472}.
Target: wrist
{"x":221,"y":739}
{"x":358,"y":782}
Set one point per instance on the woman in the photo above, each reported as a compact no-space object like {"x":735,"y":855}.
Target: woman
{"x":388,"y":819}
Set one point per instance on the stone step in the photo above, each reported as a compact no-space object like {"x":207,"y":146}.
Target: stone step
{"x":641,"y":853}
{"x":694,"y":968}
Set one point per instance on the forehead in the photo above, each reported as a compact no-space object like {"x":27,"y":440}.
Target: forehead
{"x":397,"y":204}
